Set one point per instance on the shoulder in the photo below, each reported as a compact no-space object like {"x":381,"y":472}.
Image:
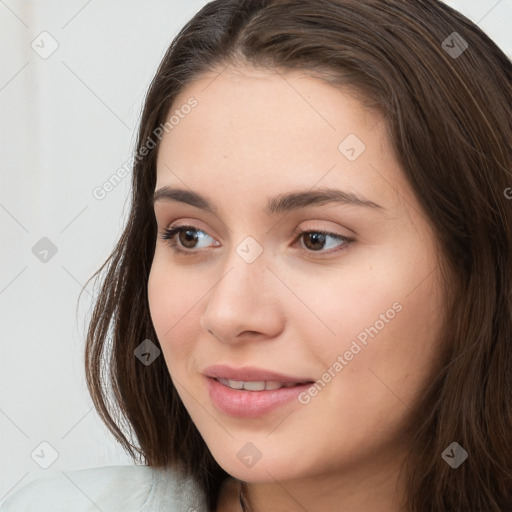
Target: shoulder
{"x":109,"y":488}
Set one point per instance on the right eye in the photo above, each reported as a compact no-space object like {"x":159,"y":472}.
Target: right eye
{"x":179,"y":243}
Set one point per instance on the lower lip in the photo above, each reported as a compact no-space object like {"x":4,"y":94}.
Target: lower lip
{"x":251,"y":404}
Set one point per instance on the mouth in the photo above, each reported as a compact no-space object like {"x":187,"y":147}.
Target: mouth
{"x":261,"y":385}
{"x":251,"y":392}
{"x":255,"y":378}
{"x":253,"y":399}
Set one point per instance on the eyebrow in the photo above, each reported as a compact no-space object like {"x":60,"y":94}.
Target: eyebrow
{"x":278,"y":204}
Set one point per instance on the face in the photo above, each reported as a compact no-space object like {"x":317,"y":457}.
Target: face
{"x":352,"y":306}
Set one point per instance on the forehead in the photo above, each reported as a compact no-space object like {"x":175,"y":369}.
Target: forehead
{"x":257,"y":107}
{"x":252,"y":131}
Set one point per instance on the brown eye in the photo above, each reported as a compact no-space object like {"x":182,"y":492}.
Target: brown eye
{"x":186,"y":240}
{"x":315,"y":241}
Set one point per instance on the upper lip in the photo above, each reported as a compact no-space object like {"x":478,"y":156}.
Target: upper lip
{"x":250,"y":374}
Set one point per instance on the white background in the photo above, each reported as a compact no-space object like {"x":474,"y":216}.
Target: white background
{"x":67,"y":123}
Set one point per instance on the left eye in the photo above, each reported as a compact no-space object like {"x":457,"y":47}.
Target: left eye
{"x":191,"y":235}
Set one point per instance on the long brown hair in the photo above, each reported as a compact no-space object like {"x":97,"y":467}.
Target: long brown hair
{"x":447,"y":99}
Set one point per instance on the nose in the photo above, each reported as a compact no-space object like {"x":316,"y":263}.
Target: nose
{"x":244,"y":303}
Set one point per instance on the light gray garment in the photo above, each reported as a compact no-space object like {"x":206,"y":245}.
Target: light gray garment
{"x":110,"y":489}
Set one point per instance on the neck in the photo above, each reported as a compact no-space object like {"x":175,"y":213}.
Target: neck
{"x":356,"y":490}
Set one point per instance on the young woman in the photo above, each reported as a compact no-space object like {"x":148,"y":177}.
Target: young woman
{"x":310,"y":307}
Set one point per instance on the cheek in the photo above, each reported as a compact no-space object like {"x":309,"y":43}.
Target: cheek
{"x":383,"y":317}
{"x":375,"y":366}
{"x":172,"y":296}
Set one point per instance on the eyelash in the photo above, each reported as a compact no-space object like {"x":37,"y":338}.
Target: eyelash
{"x":169,"y":236}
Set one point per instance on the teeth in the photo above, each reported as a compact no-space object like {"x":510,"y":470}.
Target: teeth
{"x":255,"y":386}
{"x":269,"y":384}
{"x":235,"y":384}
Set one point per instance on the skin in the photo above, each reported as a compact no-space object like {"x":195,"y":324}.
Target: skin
{"x":255,"y":134}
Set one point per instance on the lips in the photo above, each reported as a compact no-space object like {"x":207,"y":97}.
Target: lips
{"x":247,"y":404}
{"x":256,"y":385}
{"x":253,"y":374}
